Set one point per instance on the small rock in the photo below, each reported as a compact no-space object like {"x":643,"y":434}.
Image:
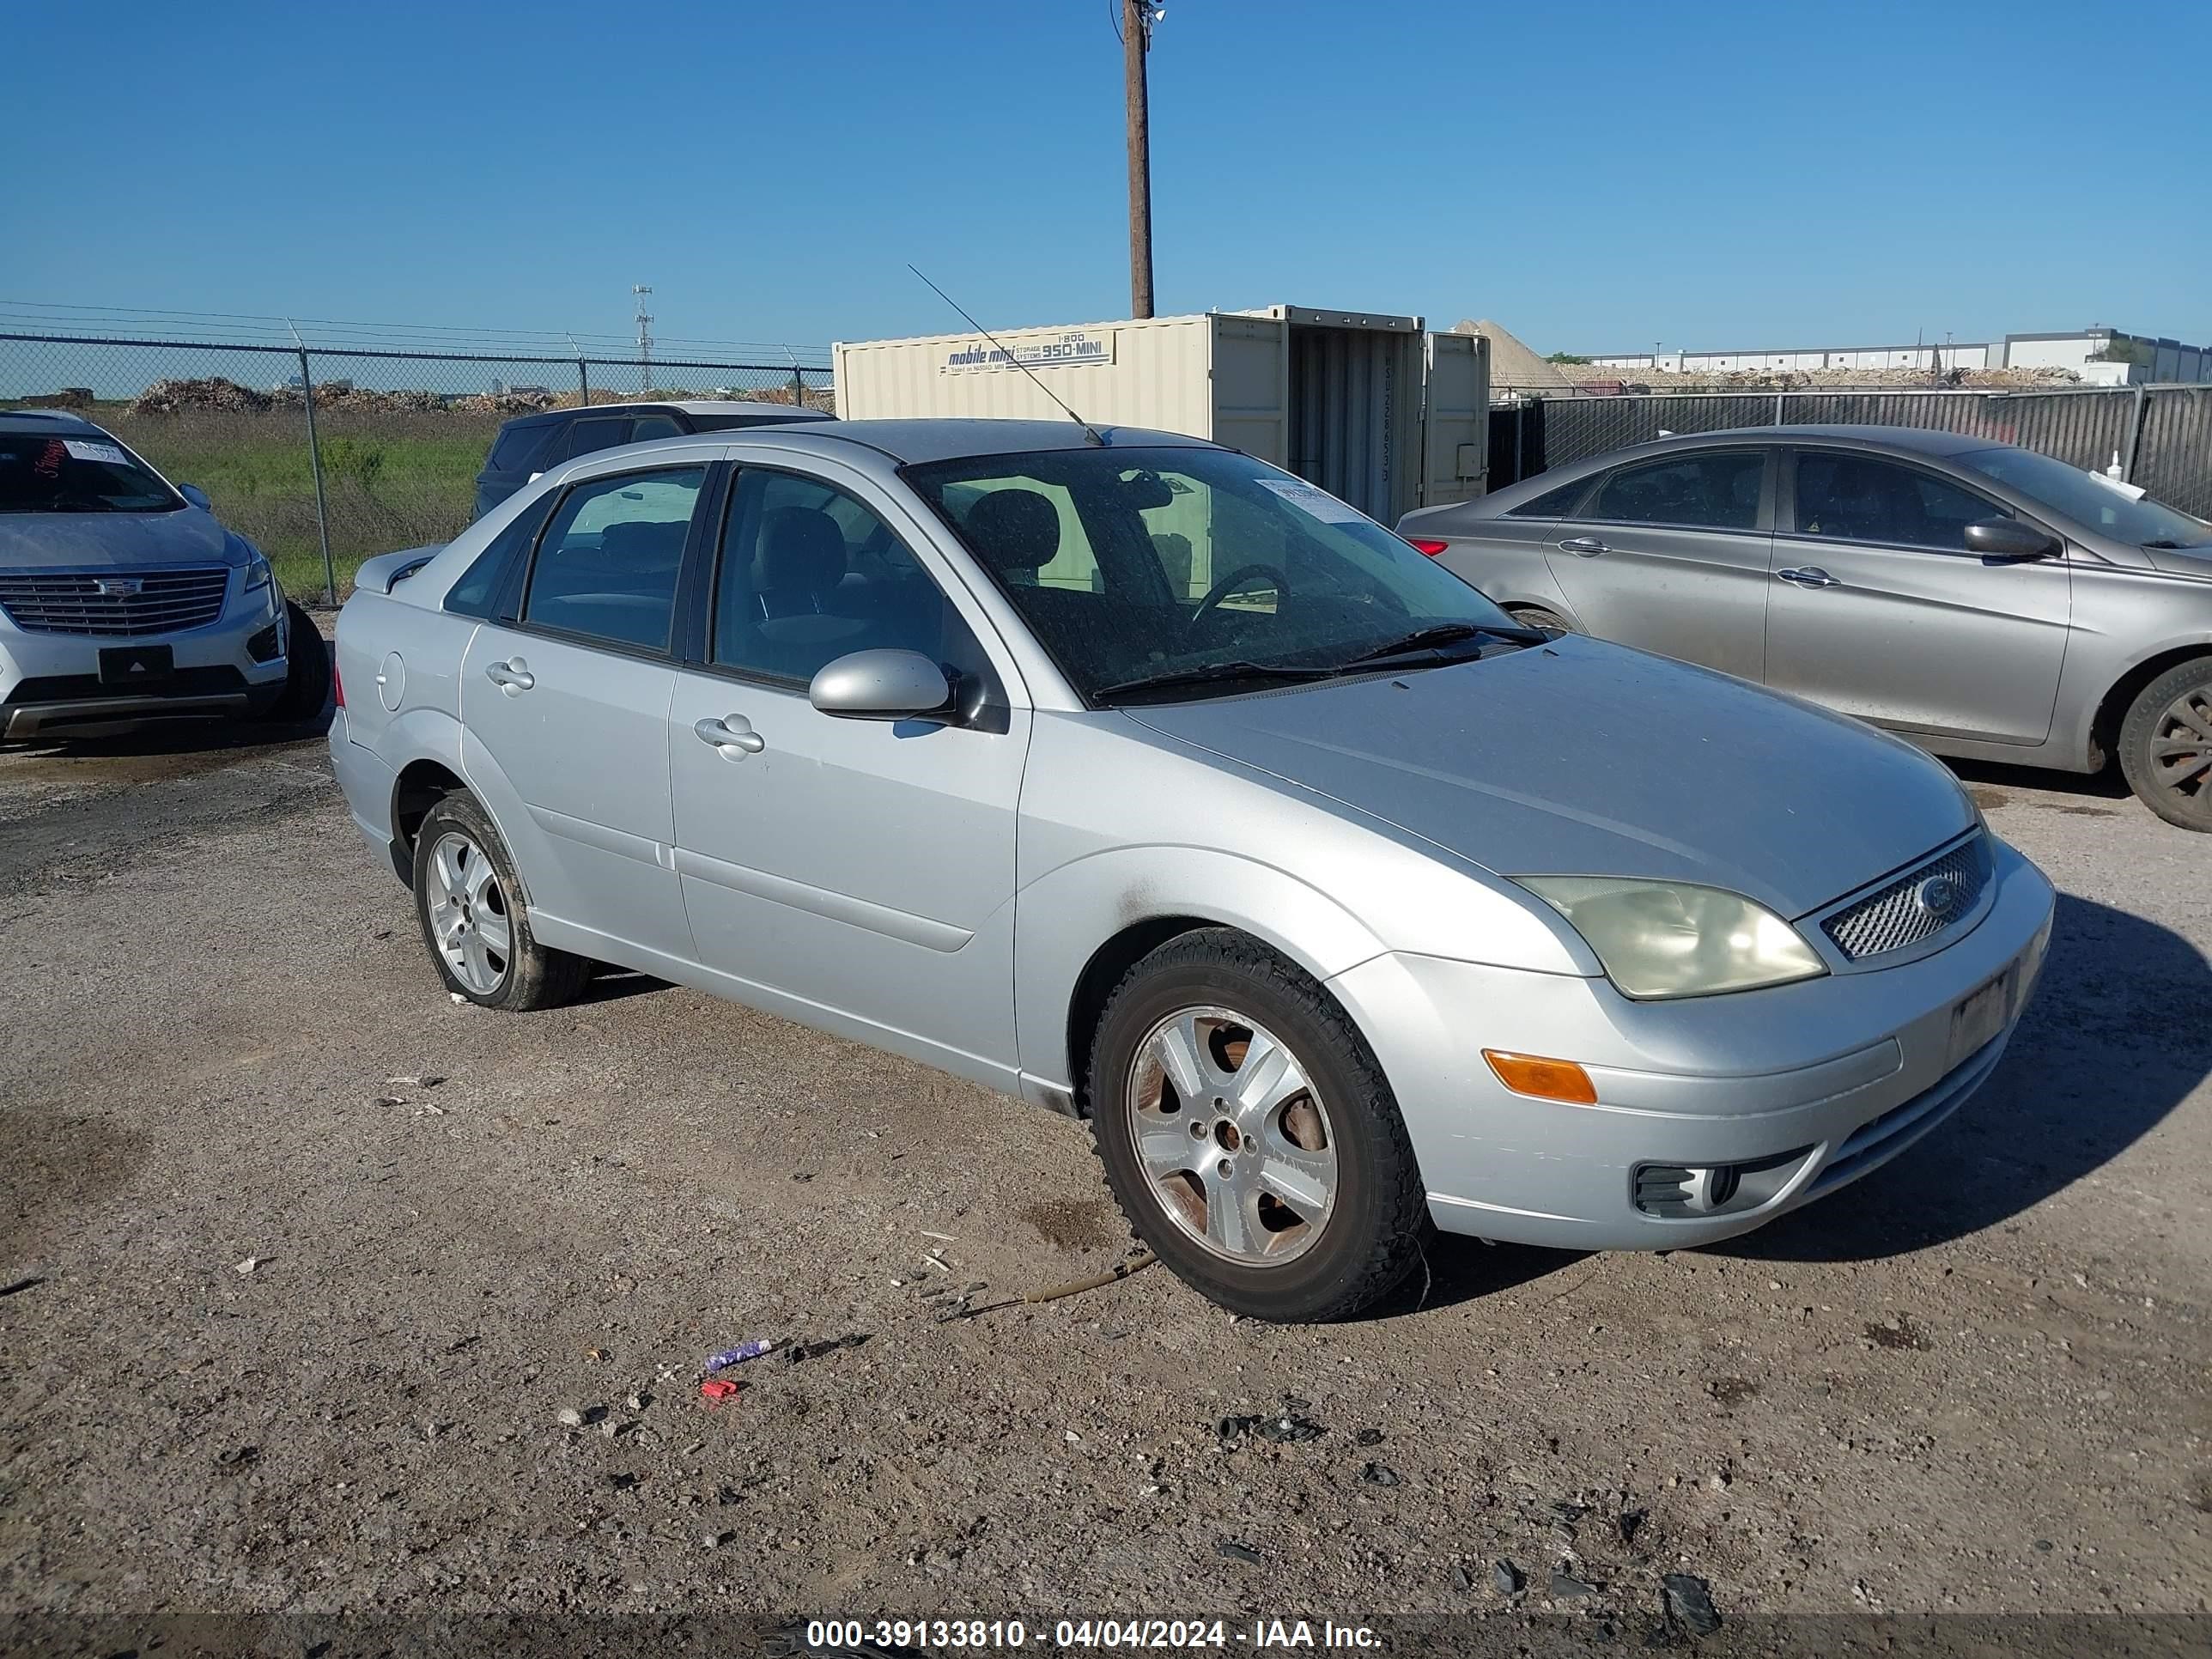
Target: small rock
{"x":1627,"y":1521}
{"x":1072,"y":1439}
{"x":2043,"y":1545}
{"x":1379,"y":1474}
{"x":802,"y":1175}
{"x":570,"y":1417}
{"x":1460,"y":1580}
{"x":1567,"y":1587}
{"x":246,"y":1266}
{"x":1368,"y":1437}
{"x":714,"y":1540}
{"x":426,"y":1080}
{"x":1691,"y":1600}
{"x":239,"y":1457}
{"x":611,"y":1428}
{"x":457,"y":996}
{"x":638,"y":1402}
{"x":1507,"y":1578}
{"x":1293,"y":1403}
{"x":1236,"y":1552}
{"x":1717,"y":1481}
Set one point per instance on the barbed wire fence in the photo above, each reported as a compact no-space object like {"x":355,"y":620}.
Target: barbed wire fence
{"x":326,"y":453}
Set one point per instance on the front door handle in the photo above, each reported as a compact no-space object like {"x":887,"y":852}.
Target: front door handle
{"x":1809,"y":575}
{"x":733,"y":736}
{"x":1583,"y":547}
{"x":513,"y":677}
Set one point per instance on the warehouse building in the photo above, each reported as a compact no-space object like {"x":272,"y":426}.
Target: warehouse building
{"x":2100,"y":355}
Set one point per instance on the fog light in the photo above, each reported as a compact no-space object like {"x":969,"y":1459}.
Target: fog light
{"x":1544,"y":1079}
{"x":264,"y":646}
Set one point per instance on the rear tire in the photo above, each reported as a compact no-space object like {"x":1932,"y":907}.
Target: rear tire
{"x":474,"y":922}
{"x":1301,"y":1199}
{"x":1535,"y":615}
{"x":2165,"y":744}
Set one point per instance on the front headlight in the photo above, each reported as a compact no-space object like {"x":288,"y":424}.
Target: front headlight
{"x":1664,"y":938}
{"x":258,"y":574}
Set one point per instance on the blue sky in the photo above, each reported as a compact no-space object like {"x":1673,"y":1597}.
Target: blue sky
{"x":1594,"y":176}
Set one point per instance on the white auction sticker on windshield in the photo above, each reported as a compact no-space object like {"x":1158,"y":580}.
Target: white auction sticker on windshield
{"x":1316,"y":502}
{"x":85,"y":451}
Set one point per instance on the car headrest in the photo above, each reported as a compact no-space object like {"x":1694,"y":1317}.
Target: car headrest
{"x":1014,"y":530}
{"x":645,"y":543}
{"x":801,"y":551}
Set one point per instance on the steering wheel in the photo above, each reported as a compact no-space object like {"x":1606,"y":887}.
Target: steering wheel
{"x":1222,"y":589}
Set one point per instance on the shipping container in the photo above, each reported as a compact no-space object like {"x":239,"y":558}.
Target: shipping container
{"x":1370,"y":407}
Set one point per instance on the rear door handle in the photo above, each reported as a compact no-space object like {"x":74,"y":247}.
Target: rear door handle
{"x":513,"y":677}
{"x":1809,"y":575}
{"x":1583,"y":547}
{"x":733,"y":736}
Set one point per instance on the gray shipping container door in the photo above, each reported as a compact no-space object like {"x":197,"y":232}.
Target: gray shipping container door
{"x":1455,"y":420}
{"x":1349,"y":389}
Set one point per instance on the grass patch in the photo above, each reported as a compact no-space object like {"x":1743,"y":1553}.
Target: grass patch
{"x":391,"y":479}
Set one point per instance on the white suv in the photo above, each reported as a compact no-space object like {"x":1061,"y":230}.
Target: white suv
{"x":122,"y":600}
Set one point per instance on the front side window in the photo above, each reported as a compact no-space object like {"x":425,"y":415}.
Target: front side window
{"x":810,"y":572}
{"x":606,"y":568}
{"x":1200,"y":571}
{"x":1697,"y":492}
{"x":1859,"y":498}
{"x":42,"y":472}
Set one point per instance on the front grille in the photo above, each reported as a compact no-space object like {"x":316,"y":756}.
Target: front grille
{"x":1899,"y":915}
{"x":72,"y":602}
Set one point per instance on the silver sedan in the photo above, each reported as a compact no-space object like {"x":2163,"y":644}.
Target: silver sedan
{"x":1981,"y":599}
{"x":1143,"y":782}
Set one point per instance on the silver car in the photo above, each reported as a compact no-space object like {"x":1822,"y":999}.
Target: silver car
{"x":1143,"y":782}
{"x":1984,"y":600}
{"x":124,"y":600}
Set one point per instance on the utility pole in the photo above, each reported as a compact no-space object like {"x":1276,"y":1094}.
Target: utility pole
{"x":1138,"y":17}
{"x":644,"y":339}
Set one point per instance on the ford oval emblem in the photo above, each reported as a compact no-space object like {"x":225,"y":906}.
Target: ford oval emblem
{"x":1938,"y":896}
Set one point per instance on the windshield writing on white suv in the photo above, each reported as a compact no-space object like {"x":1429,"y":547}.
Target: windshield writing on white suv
{"x":43,"y":472}
{"x":1202,"y":570}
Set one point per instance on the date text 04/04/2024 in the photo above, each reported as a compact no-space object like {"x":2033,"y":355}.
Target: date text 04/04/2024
{"x":1111,"y":1633}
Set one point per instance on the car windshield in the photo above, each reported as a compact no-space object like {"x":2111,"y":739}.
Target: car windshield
{"x":1181,"y":573}
{"x":90,"y":472}
{"x":2089,"y":499}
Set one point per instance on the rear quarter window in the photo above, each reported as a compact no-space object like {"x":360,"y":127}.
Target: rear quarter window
{"x":517,"y":448}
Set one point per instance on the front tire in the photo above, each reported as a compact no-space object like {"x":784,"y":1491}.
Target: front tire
{"x":1249,"y":1135}
{"x":474,"y":922}
{"x":2165,"y":744}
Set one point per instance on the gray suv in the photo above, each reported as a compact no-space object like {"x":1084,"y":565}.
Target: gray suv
{"x":1979,"y":599}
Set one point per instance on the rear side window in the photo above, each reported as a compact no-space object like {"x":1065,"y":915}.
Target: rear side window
{"x":588,"y":437}
{"x":1553,"y":503}
{"x":479,"y":589}
{"x":1698,"y":492}
{"x":606,"y":566}
{"x":520,"y":446}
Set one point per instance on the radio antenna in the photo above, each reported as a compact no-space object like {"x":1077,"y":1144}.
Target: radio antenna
{"x":1089,"y":430}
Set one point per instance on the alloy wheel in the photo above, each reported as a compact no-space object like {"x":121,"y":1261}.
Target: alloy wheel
{"x":2181,"y":749}
{"x":1232,"y":1136}
{"x":469,"y":918}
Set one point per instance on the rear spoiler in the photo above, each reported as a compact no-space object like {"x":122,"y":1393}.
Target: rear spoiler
{"x":387,"y":570}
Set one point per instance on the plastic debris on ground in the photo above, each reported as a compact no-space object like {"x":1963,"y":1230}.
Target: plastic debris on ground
{"x":738,"y":1355}
{"x":715,"y":1390}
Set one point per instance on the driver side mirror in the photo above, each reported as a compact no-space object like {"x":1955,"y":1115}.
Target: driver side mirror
{"x":2008,"y":541}
{"x":882,"y":684}
{"x":197,"y":496}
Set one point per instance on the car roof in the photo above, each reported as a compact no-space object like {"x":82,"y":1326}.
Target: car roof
{"x":45,"y":420}
{"x":690,"y":405}
{"x":1920,"y":440}
{"x":949,"y":440}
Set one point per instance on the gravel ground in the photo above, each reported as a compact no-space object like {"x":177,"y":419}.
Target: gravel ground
{"x":304,"y":1263}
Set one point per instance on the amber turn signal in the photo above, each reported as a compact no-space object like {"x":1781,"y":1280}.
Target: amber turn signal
{"x":1545,"y":1080}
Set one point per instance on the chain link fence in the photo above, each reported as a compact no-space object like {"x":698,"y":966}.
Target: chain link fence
{"x":2160,"y":434}
{"x":323,"y":458}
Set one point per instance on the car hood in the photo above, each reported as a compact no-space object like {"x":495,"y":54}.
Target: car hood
{"x":2194,"y":562}
{"x":66,"y":541}
{"x":1582,"y":758}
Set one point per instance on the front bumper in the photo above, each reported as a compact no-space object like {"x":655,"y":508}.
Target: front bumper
{"x":51,"y":682}
{"x":1811,"y":1085}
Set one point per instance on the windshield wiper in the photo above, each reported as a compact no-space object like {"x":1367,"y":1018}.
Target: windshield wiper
{"x":1210,"y":674}
{"x":1438,"y":635}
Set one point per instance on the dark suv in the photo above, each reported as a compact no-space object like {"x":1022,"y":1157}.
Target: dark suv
{"x":530,"y":444}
